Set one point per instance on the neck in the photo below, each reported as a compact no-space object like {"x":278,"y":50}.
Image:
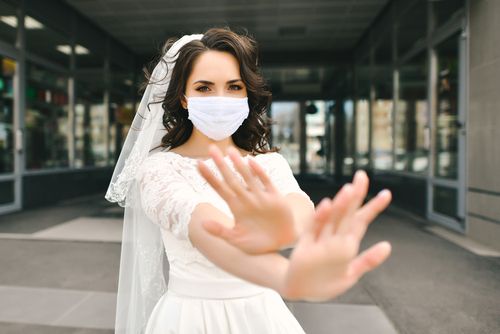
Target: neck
{"x":198,"y":143}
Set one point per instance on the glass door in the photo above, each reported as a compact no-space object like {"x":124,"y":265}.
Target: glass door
{"x":9,"y":170}
{"x":446,"y":185}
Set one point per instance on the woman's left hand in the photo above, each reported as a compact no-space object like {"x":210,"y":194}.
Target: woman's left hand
{"x":263,"y":219}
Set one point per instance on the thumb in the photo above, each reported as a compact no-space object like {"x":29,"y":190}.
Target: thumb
{"x":217,"y":229}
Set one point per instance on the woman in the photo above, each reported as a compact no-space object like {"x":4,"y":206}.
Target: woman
{"x":222,"y":219}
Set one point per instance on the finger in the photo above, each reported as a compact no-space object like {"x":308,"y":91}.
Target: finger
{"x":369,"y":260}
{"x":360,"y":190}
{"x":243,"y":169}
{"x":360,"y":183}
{"x":370,"y":211}
{"x":218,"y":230}
{"x":320,"y":217}
{"x":262,"y":175}
{"x":226,"y":172}
{"x":322,"y":210}
{"x":337,"y":209}
{"x":220,"y":187}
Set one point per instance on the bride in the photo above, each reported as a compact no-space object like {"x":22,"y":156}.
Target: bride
{"x":201,"y":185}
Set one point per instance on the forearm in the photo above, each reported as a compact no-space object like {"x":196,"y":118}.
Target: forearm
{"x":268,"y":269}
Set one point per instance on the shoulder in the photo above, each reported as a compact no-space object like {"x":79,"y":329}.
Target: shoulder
{"x":272,"y":161}
{"x":267,"y":155}
{"x":154,"y":159}
{"x":157,"y":163}
{"x":271,"y":157}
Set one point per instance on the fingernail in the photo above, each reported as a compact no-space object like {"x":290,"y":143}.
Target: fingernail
{"x":323,"y":202}
{"x":384,"y":192}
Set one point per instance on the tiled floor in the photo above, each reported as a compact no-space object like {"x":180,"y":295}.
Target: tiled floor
{"x":57,"y":307}
{"x":62,"y":277}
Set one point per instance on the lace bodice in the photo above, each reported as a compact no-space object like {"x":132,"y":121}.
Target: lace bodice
{"x":170,"y":189}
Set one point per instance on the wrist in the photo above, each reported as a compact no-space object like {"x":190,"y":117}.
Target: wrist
{"x":288,"y":291}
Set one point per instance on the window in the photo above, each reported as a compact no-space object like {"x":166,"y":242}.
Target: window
{"x":7,"y":115}
{"x":46,"y":118}
{"x":9,"y":23}
{"x":362,"y":133}
{"x":411,"y":124}
{"x":286,"y":131}
{"x":348,"y":108}
{"x":446,"y":146}
{"x":315,"y":132}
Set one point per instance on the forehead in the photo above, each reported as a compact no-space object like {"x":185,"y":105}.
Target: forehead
{"x":215,"y":65}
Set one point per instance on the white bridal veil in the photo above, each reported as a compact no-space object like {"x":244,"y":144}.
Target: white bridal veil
{"x":141,"y":281}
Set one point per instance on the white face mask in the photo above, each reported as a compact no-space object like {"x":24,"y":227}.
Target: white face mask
{"x":217,"y":117}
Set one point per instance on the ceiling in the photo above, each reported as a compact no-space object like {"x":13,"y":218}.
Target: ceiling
{"x":294,"y":34}
{"x":279,"y":26}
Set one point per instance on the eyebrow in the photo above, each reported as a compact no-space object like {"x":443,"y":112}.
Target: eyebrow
{"x":211,"y":83}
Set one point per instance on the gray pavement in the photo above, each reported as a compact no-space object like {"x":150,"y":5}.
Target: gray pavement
{"x":57,"y":279}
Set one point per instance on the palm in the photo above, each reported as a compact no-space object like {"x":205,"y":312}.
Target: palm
{"x":263,"y":227}
{"x":320,"y":270}
{"x":263,"y":219}
{"x":325,"y":261}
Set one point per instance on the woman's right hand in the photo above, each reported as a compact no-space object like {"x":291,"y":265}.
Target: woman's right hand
{"x":325,"y":261}
{"x":263,"y":219}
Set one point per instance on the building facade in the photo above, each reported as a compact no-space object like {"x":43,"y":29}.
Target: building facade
{"x":66,"y":95}
{"x":415,"y":104}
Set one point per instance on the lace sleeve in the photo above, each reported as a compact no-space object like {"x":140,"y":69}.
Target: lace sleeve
{"x":281,"y":175}
{"x":166,"y":195}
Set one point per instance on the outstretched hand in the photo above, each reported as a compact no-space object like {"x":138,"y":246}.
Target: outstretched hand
{"x":325,"y":261}
{"x":263,"y":219}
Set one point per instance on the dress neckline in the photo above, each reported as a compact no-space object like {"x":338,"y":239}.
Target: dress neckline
{"x":210,"y":159}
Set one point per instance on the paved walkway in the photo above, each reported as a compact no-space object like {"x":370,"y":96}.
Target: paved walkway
{"x":60,"y":269}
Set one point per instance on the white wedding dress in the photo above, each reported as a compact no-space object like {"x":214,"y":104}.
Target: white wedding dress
{"x":201,"y":297}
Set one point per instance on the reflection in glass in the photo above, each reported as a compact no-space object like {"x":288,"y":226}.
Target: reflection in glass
{"x":81,"y":135}
{"x":120,"y":109}
{"x":412,"y":27}
{"x":349,"y":147}
{"x":382,"y":108}
{"x":411,"y":123}
{"x":446,"y":145}
{"x":330,"y":139}
{"x":88,"y":98}
{"x":315,"y":131}
{"x":6,"y":192}
{"x":445,"y":200}
{"x":444,"y":10}
{"x":382,"y":134}
{"x":51,"y":45}
{"x":98,"y":133}
{"x":362,"y":110}
{"x":9,"y":24}
{"x":46,"y":118}
{"x":362,"y":133}
{"x":7,"y":115}
{"x":121,"y":116}
{"x":286,"y":131}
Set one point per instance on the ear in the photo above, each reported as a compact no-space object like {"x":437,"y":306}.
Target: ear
{"x":183,"y":102}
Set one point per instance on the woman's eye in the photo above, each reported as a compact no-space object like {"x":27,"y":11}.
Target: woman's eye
{"x":237,"y":87}
{"x":201,"y":88}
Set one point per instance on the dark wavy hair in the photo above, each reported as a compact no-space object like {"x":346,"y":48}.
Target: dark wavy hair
{"x":253,"y":134}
